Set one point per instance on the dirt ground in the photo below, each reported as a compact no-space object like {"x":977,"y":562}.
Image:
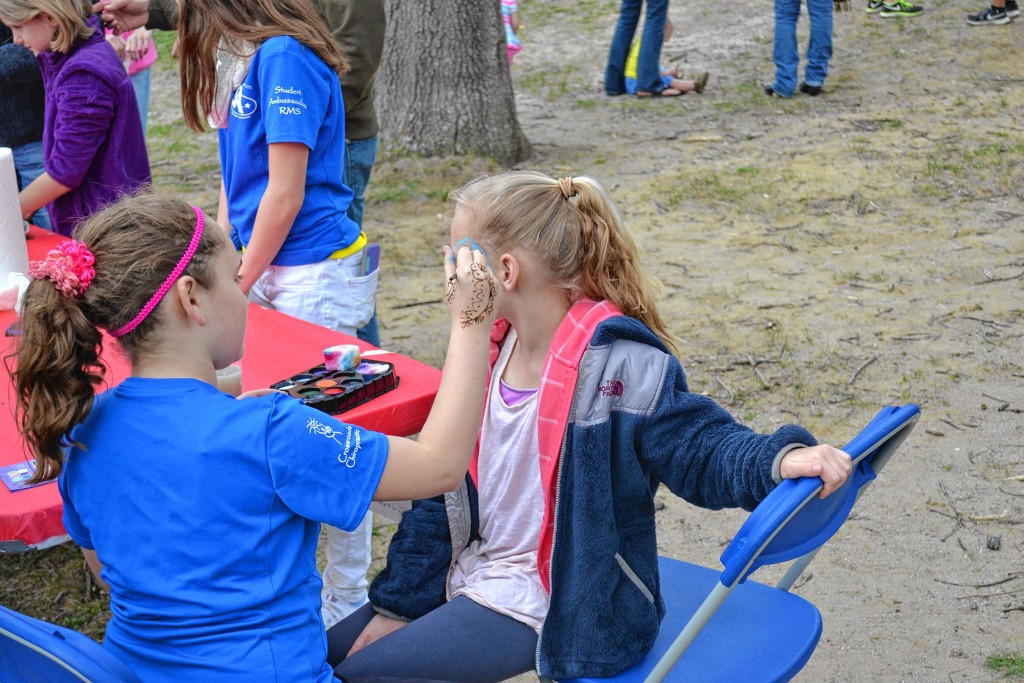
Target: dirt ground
{"x":822,"y":257}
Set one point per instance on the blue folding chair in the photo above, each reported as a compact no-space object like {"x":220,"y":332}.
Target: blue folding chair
{"x":762,"y":633}
{"x":34,"y":651}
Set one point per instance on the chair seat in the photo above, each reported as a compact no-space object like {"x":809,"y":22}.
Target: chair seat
{"x":759,"y":634}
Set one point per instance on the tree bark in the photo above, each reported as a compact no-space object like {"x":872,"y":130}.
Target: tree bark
{"x":444,"y":86}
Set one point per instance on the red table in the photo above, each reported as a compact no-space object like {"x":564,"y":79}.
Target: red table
{"x":276,"y":347}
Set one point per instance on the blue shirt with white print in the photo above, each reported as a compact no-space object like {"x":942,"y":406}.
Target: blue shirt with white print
{"x":205,"y":512}
{"x":289,"y":95}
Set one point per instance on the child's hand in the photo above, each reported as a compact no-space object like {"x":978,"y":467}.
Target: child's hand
{"x":378,"y":627}
{"x":514,"y":23}
{"x":471,"y":290}
{"x":831,"y":464}
{"x":137,"y":44}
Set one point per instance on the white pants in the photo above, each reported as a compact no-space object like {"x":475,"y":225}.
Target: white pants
{"x":337,"y":295}
{"x":332,"y":293}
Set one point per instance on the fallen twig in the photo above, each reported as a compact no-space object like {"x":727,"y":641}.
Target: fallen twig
{"x":863,"y":365}
{"x":1000,"y":582}
{"x":753,"y":364}
{"x":989,"y":595}
{"x":418,"y":303}
{"x":1000,"y":279}
{"x":959,"y":517}
{"x":732,"y":396}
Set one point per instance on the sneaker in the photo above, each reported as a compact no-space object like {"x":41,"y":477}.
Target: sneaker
{"x":1012,"y":9}
{"x":772,"y":92}
{"x":900,"y":8}
{"x":874,"y":6}
{"x":812,"y":90}
{"x":993,"y":16}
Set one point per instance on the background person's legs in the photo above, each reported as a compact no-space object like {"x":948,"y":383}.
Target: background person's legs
{"x":460,"y":641}
{"x":28,"y":163}
{"x":344,"y":576}
{"x":819,"y":46}
{"x":615,"y":72}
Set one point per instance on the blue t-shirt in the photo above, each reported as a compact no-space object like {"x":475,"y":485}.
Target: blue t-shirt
{"x":201,"y":507}
{"x":289,"y":95}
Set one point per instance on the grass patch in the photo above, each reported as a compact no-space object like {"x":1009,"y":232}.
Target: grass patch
{"x":1010,"y":665}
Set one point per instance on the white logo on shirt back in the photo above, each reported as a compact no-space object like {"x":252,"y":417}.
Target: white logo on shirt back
{"x":351,"y":441}
{"x":242,"y":106}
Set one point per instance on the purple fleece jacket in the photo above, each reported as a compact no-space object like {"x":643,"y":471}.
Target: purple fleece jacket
{"x":92,"y":134}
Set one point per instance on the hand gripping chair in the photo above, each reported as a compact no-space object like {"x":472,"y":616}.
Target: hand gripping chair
{"x":34,"y":651}
{"x":761,"y":633}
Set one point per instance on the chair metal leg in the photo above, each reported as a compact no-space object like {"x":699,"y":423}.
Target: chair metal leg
{"x":706,"y":610}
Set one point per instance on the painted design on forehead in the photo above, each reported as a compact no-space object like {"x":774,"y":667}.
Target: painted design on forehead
{"x":472,"y":245}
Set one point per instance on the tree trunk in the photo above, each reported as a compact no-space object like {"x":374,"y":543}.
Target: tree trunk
{"x":444,"y":86}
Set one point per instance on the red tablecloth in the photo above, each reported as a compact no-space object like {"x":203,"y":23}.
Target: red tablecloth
{"x":276,"y":347}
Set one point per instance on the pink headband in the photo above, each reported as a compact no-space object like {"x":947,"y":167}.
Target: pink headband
{"x":68,"y":266}
{"x":169,"y":282}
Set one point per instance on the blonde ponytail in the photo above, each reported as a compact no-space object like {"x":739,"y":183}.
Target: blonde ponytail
{"x":574,"y":229}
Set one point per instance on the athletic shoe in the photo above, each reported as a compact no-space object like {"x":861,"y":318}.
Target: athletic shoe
{"x":812,"y":90}
{"x":874,"y":6}
{"x":1012,"y":9}
{"x":900,"y":8}
{"x":993,"y":16}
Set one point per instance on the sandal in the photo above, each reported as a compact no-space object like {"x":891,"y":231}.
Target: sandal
{"x":700,"y":83}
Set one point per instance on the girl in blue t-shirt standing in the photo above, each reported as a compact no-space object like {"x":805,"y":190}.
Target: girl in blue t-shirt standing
{"x":266,"y":74}
{"x":199,"y":511}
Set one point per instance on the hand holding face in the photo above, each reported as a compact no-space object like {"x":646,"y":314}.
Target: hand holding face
{"x":831,"y":464}
{"x":471,"y":290}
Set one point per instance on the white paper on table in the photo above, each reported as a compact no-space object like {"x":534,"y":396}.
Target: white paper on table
{"x":13,"y":252}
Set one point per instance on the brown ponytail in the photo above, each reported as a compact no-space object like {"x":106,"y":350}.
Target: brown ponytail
{"x":573,"y":228}
{"x":136,"y":243}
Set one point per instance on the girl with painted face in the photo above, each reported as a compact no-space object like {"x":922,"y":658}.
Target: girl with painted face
{"x":546,"y":557}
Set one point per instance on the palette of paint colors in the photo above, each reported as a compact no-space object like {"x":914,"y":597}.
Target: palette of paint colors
{"x":335,"y":391}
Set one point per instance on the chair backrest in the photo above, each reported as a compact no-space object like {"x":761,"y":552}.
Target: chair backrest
{"x":792,"y":521}
{"x":32,"y":650}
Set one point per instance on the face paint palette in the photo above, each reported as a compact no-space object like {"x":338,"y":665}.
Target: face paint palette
{"x":335,"y":391}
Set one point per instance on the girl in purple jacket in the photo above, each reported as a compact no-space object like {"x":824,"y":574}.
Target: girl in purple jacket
{"x":94,"y":150}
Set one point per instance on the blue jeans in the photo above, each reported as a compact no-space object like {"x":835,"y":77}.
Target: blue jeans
{"x":648,"y":76}
{"x":786,"y":54}
{"x":28,"y":164}
{"x":140,"y":84}
{"x":359,"y":158}
{"x":460,"y":642}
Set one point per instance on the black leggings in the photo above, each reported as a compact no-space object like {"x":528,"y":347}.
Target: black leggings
{"x":459,"y":642}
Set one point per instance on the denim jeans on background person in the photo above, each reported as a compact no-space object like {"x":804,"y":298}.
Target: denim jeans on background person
{"x":648,"y":75}
{"x":359,"y":158}
{"x":28,"y":164}
{"x":786,"y":53}
{"x":141,"y":86}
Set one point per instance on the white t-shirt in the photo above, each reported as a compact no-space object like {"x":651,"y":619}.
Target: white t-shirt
{"x":500,"y":570}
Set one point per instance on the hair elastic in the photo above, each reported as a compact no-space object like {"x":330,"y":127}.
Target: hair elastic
{"x":169,"y":282}
{"x":69,"y":266}
{"x":565,"y":185}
